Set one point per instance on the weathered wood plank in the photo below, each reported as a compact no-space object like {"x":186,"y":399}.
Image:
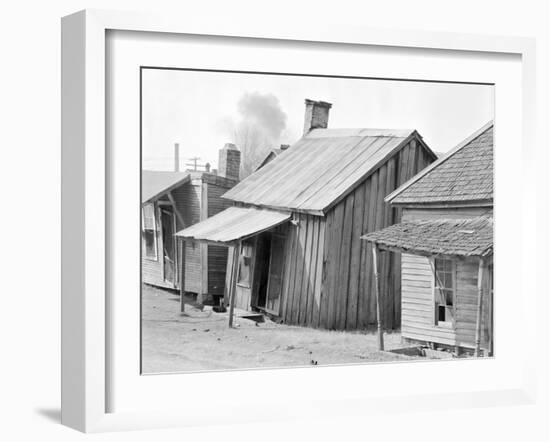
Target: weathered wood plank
{"x":319,"y":271}
{"x":312,"y":270}
{"x":342,"y":289}
{"x":334,"y":251}
{"x":380,"y":224}
{"x":355,"y":259}
{"x":306,"y":273}
{"x":327,"y":258}
{"x":373,"y":214}
{"x":289,"y":298}
{"x":364,"y":272}
{"x":299,"y":269}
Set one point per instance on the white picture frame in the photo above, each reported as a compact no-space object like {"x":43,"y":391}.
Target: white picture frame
{"x":85,"y":312}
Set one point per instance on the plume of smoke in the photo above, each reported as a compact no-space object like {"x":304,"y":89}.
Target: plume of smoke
{"x":259,"y":128}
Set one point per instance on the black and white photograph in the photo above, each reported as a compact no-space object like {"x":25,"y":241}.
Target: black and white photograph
{"x":304,"y":220}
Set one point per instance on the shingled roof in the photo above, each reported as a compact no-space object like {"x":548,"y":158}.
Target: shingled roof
{"x":464,"y":175}
{"x":453,"y":237}
{"x":320,"y":168}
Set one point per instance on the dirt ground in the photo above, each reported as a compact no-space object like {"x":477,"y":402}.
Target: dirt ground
{"x":201,"y":340}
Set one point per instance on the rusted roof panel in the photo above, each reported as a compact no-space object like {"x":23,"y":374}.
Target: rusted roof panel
{"x":319,"y":169}
{"x":233,"y":224}
{"x":456,"y":237}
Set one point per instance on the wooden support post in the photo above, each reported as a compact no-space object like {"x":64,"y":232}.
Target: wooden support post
{"x":233,"y":288}
{"x":181,"y":243}
{"x":480,"y":282}
{"x":375,"y":254}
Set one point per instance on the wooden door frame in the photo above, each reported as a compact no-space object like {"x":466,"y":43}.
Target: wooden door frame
{"x":167,"y":207}
{"x":280,"y":237}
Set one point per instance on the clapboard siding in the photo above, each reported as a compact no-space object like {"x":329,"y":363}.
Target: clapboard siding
{"x":195,"y":201}
{"x":417,"y":273}
{"x":417,"y":300}
{"x":188,"y":202}
{"x":328,"y":276}
{"x":152,"y":269}
{"x":417,"y":297}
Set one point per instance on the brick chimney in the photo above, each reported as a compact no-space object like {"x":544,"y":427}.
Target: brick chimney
{"x":316,"y":116}
{"x":229,"y":162}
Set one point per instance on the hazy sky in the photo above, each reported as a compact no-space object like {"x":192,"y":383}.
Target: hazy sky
{"x":200,"y":110}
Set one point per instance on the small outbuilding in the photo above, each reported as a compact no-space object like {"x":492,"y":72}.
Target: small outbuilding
{"x":172,"y":201}
{"x":295,"y":225}
{"x":445,"y":244}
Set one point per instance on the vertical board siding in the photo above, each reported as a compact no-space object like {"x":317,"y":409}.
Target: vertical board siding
{"x":319,"y":271}
{"x":302,"y":274}
{"x":355,"y":259}
{"x":347,"y":296}
{"x":327,"y":274}
{"x":323,"y":309}
{"x":466,"y":301}
{"x":312,"y":273}
{"x":342,"y":286}
{"x":287,"y":269}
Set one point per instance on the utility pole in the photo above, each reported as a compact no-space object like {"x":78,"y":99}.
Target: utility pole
{"x":194,"y":162}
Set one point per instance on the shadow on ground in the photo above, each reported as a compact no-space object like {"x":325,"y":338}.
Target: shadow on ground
{"x":51,"y":414}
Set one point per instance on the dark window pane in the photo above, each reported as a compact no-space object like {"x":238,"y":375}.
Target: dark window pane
{"x":150,"y":244}
{"x":449,"y":297}
{"x":441,"y":313}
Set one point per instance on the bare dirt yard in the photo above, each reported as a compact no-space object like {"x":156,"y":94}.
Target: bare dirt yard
{"x":201,"y":340}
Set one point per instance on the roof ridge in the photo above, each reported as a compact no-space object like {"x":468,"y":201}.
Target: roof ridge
{"x":360,"y":132}
{"x":438,"y":162}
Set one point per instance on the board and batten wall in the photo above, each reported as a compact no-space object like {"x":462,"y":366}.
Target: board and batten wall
{"x":328,"y":277}
{"x":417,"y":290}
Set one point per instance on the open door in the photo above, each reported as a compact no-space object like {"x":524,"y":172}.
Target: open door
{"x":168,"y":223}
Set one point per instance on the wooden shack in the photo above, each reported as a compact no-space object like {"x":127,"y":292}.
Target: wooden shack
{"x":296,"y":224}
{"x":172,"y":201}
{"x":445,"y":241}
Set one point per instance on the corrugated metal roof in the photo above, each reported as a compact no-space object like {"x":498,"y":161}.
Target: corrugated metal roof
{"x":464,"y":175}
{"x":155,"y":183}
{"x":233,"y":224}
{"x":457,"y":237}
{"x":319,"y":169}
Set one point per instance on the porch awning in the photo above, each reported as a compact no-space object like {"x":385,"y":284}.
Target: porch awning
{"x":233,"y":224}
{"x":452,"y":237}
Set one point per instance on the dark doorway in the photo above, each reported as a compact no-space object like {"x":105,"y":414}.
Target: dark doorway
{"x":168,"y":245}
{"x":263,"y":251}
